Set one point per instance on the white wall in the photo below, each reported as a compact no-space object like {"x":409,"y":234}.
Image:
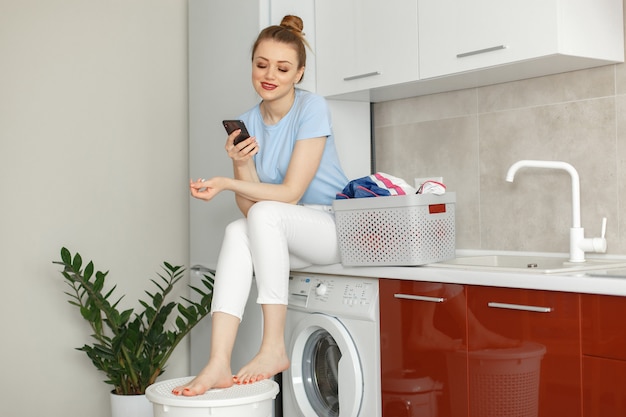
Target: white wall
{"x":220,"y":88}
{"x":93,"y":156}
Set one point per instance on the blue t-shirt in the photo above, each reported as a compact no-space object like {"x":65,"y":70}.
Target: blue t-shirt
{"x":309,"y":117}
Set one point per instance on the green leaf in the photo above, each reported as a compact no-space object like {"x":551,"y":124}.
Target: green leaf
{"x":187,"y":312}
{"x":158,"y":285}
{"x":157,"y":300}
{"x":77,"y":263}
{"x":98,"y":283}
{"x":125,"y":316}
{"x":85,"y":312}
{"x":88,"y":270}
{"x":66,"y":256}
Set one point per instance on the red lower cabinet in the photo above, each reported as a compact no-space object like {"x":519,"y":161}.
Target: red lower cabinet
{"x":469,"y":351}
{"x":540,"y":375}
{"x":421,"y":323}
{"x":604,"y":355}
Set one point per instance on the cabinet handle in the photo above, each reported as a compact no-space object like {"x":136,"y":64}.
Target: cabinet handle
{"x":481,"y":51}
{"x":535,"y":309}
{"x":420,"y":298}
{"x":356,"y":77}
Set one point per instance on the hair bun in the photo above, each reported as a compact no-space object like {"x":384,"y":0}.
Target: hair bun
{"x":293,"y":23}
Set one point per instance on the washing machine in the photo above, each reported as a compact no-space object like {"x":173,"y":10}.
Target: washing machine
{"x":333,"y":340}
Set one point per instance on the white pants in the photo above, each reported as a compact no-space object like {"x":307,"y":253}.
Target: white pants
{"x":274,"y":238}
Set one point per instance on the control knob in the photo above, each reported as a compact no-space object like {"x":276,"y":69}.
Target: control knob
{"x":321,"y":289}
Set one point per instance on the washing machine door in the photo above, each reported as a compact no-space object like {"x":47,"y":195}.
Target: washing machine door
{"x":326,"y":376}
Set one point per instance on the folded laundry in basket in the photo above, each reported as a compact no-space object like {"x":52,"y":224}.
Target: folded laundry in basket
{"x":376,"y":185}
{"x":432,"y":187}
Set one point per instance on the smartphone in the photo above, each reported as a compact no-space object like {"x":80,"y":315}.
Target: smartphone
{"x":232,"y":125}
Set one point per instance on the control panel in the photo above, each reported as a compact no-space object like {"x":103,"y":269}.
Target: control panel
{"x":355,"y":297}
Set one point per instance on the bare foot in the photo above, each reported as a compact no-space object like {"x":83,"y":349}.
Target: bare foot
{"x":263,"y":366}
{"x":214,"y":375}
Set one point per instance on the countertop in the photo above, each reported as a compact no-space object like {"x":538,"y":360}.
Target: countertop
{"x":613,"y":283}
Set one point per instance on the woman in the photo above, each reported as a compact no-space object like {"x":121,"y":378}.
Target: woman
{"x":285,"y":178}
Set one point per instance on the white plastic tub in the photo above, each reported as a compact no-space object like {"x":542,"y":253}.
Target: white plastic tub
{"x":251,"y":400}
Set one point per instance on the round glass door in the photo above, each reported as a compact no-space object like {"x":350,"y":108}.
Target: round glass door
{"x":320,"y":372}
{"x":326,"y":373}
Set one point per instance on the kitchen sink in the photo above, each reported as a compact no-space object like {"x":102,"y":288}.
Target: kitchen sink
{"x":528,"y":264}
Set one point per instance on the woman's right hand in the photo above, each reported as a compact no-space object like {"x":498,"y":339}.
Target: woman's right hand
{"x":205,"y":189}
{"x":244,"y":150}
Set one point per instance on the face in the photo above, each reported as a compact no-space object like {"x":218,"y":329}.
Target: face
{"x":275,"y":70}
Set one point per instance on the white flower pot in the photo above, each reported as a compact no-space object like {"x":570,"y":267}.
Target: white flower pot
{"x":130,"y":406}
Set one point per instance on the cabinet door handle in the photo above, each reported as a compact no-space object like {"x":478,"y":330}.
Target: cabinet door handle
{"x":481,"y":51}
{"x":420,"y":298}
{"x":535,"y":309}
{"x":356,"y":77}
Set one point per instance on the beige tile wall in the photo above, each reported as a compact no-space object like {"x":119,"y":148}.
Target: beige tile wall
{"x":471,"y":137}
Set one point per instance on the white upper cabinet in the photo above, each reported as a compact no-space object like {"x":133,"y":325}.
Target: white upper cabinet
{"x":465,"y":35}
{"x":377,"y":50}
{"x":365,"y":44}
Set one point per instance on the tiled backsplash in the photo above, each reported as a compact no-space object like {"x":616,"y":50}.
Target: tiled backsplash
{"x":471,"y":137}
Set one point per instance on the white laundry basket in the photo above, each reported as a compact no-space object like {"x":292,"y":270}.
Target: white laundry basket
{"x":251,"y":400}
{"x":407,"y":230}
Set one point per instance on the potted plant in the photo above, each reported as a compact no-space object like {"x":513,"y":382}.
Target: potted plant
{"x":132,"y":348}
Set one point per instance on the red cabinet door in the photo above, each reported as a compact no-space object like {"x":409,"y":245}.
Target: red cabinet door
{"x":603,"y":328}
{"x":420,"y":324}
{"x":604,"y":355}
{"x":543,"y":371}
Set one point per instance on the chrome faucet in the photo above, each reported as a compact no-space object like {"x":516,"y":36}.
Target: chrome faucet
{"x":578,"y":244}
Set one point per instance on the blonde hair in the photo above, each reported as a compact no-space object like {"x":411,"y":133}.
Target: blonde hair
{"x":288,"y":32}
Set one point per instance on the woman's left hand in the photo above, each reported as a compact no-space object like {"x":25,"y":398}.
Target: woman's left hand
{"x":205,"y":189}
